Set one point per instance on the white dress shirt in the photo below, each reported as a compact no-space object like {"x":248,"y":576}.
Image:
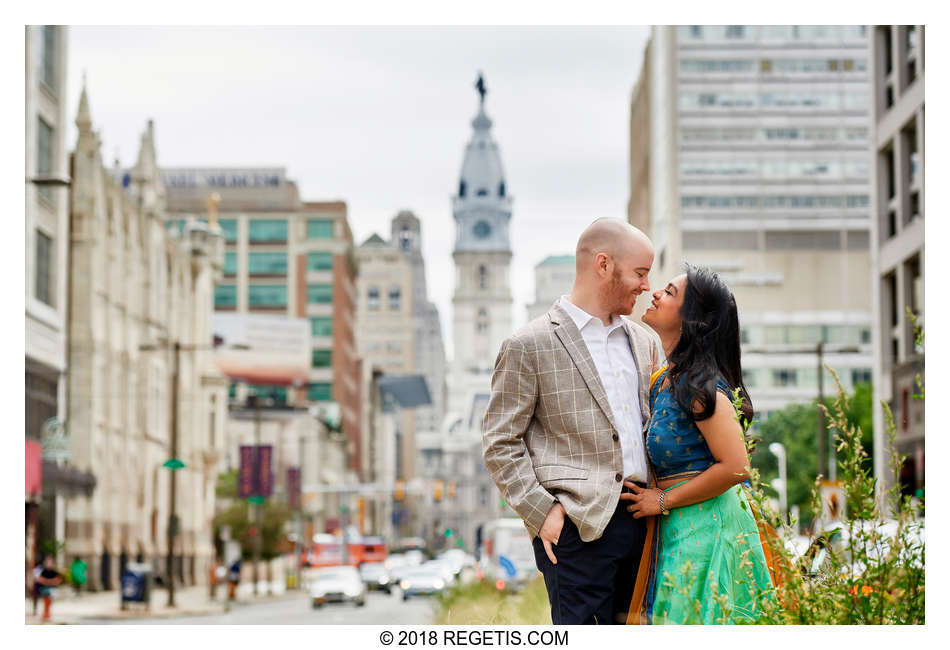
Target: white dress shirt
{"x":609,"y":347}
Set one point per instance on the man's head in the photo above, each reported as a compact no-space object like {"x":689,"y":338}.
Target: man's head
{"x":613,"y":261}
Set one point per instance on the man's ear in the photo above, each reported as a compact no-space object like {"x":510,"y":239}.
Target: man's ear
{"x":603,"y":264}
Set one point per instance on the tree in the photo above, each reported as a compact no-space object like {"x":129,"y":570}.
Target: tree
{"x":795,"y":427}
{"x":272,"y":521}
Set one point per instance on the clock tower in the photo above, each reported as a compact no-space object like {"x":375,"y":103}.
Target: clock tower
{"x":482,"y":302}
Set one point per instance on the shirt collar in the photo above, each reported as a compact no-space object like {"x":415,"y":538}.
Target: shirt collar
{"x":581,"y":318}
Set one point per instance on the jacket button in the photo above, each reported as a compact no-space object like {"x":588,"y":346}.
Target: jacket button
{"x":619,"y":477}
{"x":616,"y":437}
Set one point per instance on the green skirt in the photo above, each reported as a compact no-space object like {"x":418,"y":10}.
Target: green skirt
{"x":710,"y":567}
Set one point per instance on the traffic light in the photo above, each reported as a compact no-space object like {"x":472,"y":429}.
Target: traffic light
{"x":399,"y":493}
{"x":448,"y":533}
{"x":437,"y":491}
{"x":451,"y":489}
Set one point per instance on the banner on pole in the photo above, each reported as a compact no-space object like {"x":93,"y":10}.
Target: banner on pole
{"x":265,"y":476}
{"x":293,"y":488}
{"x":247,"y":476}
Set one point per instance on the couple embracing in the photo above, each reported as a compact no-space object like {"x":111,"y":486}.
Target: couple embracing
{"x":623,"y":455}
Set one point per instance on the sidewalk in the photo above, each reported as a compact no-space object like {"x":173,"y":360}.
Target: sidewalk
{"x":69,"y":609}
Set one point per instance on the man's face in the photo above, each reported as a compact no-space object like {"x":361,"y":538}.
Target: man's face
{"x":628,"y":280}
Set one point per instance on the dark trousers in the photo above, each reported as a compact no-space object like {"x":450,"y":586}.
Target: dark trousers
{"x":592,"y":582}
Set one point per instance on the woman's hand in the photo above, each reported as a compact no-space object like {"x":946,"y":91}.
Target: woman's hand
{"x":644,"y":502}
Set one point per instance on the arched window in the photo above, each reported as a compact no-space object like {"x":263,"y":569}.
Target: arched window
{"x":482,"y":277}
{"x":405,"y":239}
{"x":482,"y":192}
{"x":394,"y":298}
{"x":501,"y":189}
{"x":481,"y":322}
{"x":461,"y":189}
{"x":372,"y":298}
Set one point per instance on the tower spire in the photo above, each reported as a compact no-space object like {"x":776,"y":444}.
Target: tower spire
{"x":83,"y":116}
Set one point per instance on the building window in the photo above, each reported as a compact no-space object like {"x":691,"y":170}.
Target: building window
{"x":268,"y":231}
{"x":320,"y":392}
{"x":784,"y":377}
{"x":267,"y":264}
{"x":461,"y":189}
{"x":225,"y":296}
{"x":230,"y":263}
{"x":267,"y":295}
{"x":481,"y":322}
{"x":319,"y":228}
{"x":735,"y":31}
{"x":44,"y":268}
{"x":44,"y":155}
{"x":395,"y":296}
{"x":49,"y":57}
{"x":482,"y":277}
{"x":229,"y":228}
{"x":319,"y":293}
{"x":321,"y":358}
{"x":372,"y":298}
{"x":321,"y":326}
{"x":405,"y":239}
{"x":501,"y":189}
{"x":269,"y":395}
{"x":860,"y":376}
{"x":696,"y":31}
{"x":320,"y":261}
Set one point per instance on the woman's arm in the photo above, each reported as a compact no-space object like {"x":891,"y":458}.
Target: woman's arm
{"x":724,"y":437}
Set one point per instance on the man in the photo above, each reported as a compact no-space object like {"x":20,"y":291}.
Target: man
{"x":564,"y":427}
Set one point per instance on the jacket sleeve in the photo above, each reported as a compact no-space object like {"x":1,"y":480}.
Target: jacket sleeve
{"x":514,"y":395}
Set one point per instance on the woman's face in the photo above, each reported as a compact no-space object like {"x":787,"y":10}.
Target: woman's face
{"x":663,"y":314}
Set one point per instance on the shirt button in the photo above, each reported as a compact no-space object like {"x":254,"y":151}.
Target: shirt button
{"x":616,"y":437}
{"x":619,"y":478}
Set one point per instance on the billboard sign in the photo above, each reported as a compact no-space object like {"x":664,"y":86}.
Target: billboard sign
{"x":262,"y":349}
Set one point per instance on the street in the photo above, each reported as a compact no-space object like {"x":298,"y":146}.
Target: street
{"x":380,"y":609}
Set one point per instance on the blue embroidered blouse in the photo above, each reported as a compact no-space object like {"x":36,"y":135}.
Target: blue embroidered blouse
{"x":675,"y":444}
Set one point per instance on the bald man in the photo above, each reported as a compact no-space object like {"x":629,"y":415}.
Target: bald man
{"x":564,"y":427}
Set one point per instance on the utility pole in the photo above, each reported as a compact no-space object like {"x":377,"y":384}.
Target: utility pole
{"x":172,"y":512}
{"x":822,"y":434}
{"x":255,"y":508}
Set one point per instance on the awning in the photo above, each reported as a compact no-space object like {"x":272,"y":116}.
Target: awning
{"x":405,"y":391}
{"x":34,"y":468}
{"x":67,"y":480}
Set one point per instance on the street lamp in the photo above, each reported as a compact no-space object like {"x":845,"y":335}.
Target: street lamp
{"x":781,"y":483}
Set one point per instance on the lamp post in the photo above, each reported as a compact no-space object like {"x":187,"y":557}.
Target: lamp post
{"x":778,"y":450}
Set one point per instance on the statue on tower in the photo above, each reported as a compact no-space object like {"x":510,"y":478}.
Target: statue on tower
{"x":480,"y":87}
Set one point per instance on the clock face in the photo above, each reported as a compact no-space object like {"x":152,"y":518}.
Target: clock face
{"x":482,"y":229}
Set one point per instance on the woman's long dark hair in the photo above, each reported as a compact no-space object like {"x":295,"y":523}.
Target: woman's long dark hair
{"x":708,"y":349}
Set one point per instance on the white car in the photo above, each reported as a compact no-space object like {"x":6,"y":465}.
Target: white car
{"x":376,"y":576}
{"x":337,"y":584}
{"x":419,"y":580}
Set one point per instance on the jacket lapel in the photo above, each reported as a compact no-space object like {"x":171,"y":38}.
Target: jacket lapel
{"x":573,"y":342}
{"x":644,"y":370}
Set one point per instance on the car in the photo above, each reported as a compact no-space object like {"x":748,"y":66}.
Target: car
{"x":375,"y":575}
{"x":337,"y":584}
{"x":445,"y":567}
{"x":415,"y":557}
{"x":422,"y":580}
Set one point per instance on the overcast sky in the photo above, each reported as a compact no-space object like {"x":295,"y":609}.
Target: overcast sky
{"x":379,"y":117}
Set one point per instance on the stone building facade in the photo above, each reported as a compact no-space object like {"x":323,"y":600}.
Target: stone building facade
{"x":897,"y":244}
{"x":135,"y":290}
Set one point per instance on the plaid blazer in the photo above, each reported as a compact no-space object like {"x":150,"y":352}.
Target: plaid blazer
{"x":549,"y":431}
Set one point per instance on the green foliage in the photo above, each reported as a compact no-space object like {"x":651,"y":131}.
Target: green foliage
{"x":795,"y":427}
{"x":867,"y":569}
{"x":480,"y":603}
{"x":273,"y":518}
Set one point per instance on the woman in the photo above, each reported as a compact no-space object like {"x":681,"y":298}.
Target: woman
{"x":709,"y":563}
{"x":48,"y":580}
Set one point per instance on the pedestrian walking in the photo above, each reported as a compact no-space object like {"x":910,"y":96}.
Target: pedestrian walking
{"x":234,"y":577}
{"x":35,"y":573}
{"x":77,"y":572}
{"x":48,"y":580}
